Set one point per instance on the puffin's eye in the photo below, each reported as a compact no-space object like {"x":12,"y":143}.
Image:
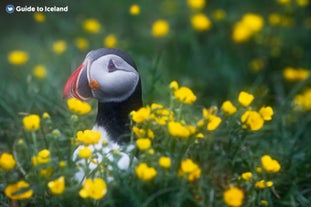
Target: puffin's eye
{"x":111,"y":66}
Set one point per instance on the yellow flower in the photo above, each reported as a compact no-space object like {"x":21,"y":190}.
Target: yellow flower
{"x":18,"y":191}
{"x":78,"y":106}
{"x":91,"y":25}
{"x":7,"y":161}
{"x":263,"y":184}
{"x":189,"y":169}
{"x":87,"y":137}
{"x":245,"y":98}
{"x":82,"y":43}
{"x":42,"y":157}
{"x":213,"y":122}
{"x":247,"y":26}
{"x":95,"y":189}
{"x":160,"y":28}
{"x":293,"y":74}
{"x":18,"y":57}
{"x":134,"y":9}
{"x":110,"y":41}
{"x":252,"y":119}
{"x":253,"y":21}
{"x":284,"y":1}
{"x":59,"y":46}
{"x":143,"y":143}
{"x":219,"y":14}
{"x":141,"y":115}
{"x":160,"y":114}
{"x":165,"y":162}
{"x":176,"y":129}
{"x":266,"y":113}
{"x":270,"y":165}
{"x":144,"y":172}
{"x":256,"y":64}
{"x":46,"y":172}
{"x":62,"y":164}
{"x":234,"y":197}
{"x":200,"y":22}
{"x":173,"y":85}
{"x":31,"y":122}
{"x":39,"y":17}
{"x":241,"y":33}
{"x":247,"y":176}
{"x":46,"y":115}
{"x":85,"y":152}
{"x":39,"y":71}
{"x":302,"y":102}
{"x":228,"y":108}
{"x":196,"y":4}
{"x":275,"y":19}
{"x":185,"y":95}
{"x":264,"y":203}
{"x":302,"y":3}
{"x":57,"y":186}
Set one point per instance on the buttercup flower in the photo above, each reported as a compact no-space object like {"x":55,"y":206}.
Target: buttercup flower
{"x":110,"y":41}
{"x":18,"y":57}
{"x":78,"y":106}
{"x":228,"y":108}
{"x":174,"y":85}
{"x":185,"y":95}
{"x":266,"y":113}
{"x":39,"y":17}
{"x":144,"y":172}
{"x":18,"y":191}
{"x":189,"y":169}
{"x":91,"y":25}
{"x":39,"y":71}
{"x":160,"y":114}
{"x":247,"y":176}
{"x":200,"y":22}
{"x":81,"y":43}
{"x":59,"y":46}
{"x":87,"y":137}
{"x":134,"y":9}
{"x":42,"y":157}
{"x":234,"y":197}
{"x":295,"y":74}
{"x":196,"y":4}
{"x":85,"y":152}
{"x":253,"y":120}
{"x":141,"y":115}
{"x":176,"y":129}
{"x":95,"y":189}
{"x":31,"y":122}
{"x":263,"y":184}
{"x":57,"y":186}
{"x":270,"y":165}
{"x":143,"y":143}
{"x":245,"y":98}
{"x":302,"y":102}
{"x":213,"y":121}
{"x":160,"y":28}
{"x":165,"y":162}
{"x":7,"y":161}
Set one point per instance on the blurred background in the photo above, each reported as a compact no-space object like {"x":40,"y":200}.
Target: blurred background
{"x":217,"y":48}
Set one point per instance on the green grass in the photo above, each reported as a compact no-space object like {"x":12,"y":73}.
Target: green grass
{"x":210,"y":63}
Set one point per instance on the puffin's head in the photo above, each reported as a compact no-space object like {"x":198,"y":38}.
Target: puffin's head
{"x":106,"y":74}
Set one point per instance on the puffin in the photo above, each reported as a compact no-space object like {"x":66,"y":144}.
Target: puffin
{"x":110,"y":76}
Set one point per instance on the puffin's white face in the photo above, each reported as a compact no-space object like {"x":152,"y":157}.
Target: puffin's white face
{"x":111,"y":78}
{"x":108,"y":78}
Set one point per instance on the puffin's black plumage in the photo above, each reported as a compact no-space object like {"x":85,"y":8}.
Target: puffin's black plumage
{"x":114,"y":116}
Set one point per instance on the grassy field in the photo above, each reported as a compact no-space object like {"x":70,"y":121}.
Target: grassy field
{"x":194,"y":150}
